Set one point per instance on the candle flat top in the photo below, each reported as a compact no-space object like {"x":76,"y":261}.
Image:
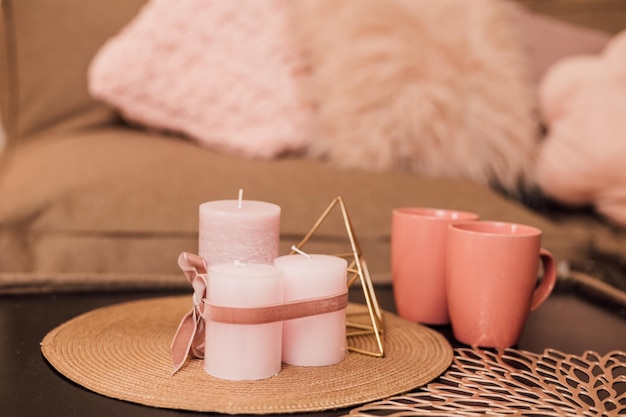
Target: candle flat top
{"x":235,"y":207}
{"x":311,"y":261}
{"x":248,"y":270}
{"x":319,"y":276}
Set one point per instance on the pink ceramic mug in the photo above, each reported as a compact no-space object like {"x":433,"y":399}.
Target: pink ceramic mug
{"x":491,"y":280}
{"x":418,"y":251}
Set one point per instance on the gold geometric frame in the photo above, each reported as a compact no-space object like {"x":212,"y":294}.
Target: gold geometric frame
{"x":358,"y":269}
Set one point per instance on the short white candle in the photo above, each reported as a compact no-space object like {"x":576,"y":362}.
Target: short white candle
{"x":244,"y":230}
{"x":321,"y":339}
{"x":243,"y":351}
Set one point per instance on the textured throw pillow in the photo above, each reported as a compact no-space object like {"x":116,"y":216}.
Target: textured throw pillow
{"x":220,"y":72}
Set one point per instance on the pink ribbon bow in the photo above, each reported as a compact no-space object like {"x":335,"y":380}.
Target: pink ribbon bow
{"x":189,"y":337}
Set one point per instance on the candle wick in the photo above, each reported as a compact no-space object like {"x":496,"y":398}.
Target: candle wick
{"x":240,"y":197}
{"x":295,"y":249}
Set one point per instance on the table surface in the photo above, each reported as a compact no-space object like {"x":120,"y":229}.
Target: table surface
{"x":29,"y":386}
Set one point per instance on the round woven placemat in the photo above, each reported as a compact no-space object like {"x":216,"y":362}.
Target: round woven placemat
{"x":123,"y":352}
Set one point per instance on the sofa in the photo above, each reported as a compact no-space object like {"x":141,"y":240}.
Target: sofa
{"x":89,"y":200}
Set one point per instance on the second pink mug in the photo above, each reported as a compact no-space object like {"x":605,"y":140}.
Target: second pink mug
{"x":418,"y":258}
{"x":491,"y":280}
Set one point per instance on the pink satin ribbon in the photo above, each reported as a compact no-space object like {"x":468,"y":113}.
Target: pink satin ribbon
{"x":276,"y":312}
{"x":189,"y":337}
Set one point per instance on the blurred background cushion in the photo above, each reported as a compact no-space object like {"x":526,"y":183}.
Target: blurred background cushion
{"x":222,"y":73}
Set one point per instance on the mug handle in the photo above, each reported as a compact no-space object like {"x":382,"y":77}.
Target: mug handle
{"x":548,"y":281}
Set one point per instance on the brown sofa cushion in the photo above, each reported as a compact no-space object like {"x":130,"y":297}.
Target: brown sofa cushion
{"x":48,"y":46}
{"x":603,"y":15}
{"x":120,"y":201}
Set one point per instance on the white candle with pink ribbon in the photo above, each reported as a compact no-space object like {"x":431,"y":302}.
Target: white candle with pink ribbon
{"x":317,"y":340}
{"x":243,"y":351}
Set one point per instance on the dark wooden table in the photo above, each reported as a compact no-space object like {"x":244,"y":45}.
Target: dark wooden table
{"x":30,"y":387}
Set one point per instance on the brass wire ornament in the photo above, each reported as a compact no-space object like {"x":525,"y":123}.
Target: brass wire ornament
{"x":357,"y":269}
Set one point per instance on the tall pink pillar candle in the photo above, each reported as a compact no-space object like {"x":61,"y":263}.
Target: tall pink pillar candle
{"x":239,"y":230}
{"x":321,"y":339}
{"x":243,"y":351}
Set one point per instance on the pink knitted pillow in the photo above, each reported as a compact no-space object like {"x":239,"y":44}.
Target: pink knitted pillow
{"x":220,"y":72}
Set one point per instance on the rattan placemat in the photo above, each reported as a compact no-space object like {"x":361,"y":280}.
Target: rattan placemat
{"x":123,"y":352}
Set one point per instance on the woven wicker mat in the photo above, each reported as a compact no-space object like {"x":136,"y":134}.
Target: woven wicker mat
{"x":122,"y":351}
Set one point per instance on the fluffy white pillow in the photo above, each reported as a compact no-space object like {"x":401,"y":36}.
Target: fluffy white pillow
{"x":436,"y":87}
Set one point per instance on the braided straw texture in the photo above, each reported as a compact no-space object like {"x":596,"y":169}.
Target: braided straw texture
{"x":123,"y":352}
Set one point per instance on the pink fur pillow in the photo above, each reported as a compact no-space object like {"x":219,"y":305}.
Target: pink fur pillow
{"x":220,"y":72}
{"x":583,"y":100}
{"x":436,"y":87}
